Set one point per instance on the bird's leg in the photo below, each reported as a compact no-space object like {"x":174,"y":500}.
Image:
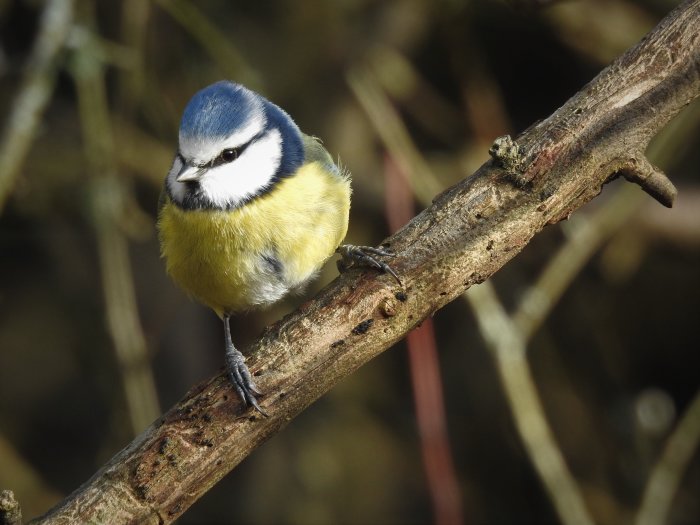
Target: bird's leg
{"x":352,"y":255}
{"x":238,"y":372}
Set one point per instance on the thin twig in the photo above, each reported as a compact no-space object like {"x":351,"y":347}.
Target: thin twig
{"x":108,"y":204}
{"x":667,"y":474}
{"x":586,"y":236}
{"x":34,"y":92}
{"x":134,"y":26}
{"x":425,"y":377}
{"x":217,"y":43}
{"x":393,"y":133}
{"x":508,"y":348}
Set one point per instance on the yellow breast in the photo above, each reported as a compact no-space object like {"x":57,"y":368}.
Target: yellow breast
{"x":253,"y":255}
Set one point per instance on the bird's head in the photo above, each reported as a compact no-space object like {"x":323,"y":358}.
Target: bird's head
{"x":234,"y":145}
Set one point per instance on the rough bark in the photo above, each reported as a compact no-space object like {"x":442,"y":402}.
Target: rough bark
{"x":469,"y":232}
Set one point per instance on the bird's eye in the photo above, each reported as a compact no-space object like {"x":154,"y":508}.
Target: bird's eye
{"x":230,"y":154}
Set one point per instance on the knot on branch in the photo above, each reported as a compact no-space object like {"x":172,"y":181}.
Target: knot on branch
{"x":506,"y":154}
{"x":10,"y":511}
{"x":650,"y":178}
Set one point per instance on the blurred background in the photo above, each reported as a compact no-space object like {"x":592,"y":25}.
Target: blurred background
{"x":95,"y":341}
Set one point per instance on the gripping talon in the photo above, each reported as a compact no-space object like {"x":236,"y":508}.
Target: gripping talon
{"x":362,"y":256}
{"x":375,"y":251}
{"x":387,"y":269}
{"x":242,"y":380}
{"x":239,"y":374}
{"x":254,"y":403}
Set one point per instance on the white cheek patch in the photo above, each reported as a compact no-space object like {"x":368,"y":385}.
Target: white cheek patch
{"x":230,"y":184}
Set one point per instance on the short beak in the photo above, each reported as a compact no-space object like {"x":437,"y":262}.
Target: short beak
{"x":189,"y":173}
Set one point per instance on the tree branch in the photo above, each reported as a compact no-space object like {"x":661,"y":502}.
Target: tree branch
{"x":469,"y":232}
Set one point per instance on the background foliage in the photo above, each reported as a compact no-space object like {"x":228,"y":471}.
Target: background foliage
{"x":94,"y":338}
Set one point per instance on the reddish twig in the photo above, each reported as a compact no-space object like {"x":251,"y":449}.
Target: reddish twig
{"x":425,"y":375}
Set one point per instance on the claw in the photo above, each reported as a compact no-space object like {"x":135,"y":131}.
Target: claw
{"x":363,"y":256}
{"x":242,"y":380}
{"x":239,"y":374}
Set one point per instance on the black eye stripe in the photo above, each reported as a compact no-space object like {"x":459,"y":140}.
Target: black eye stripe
{"x":231,"y":154}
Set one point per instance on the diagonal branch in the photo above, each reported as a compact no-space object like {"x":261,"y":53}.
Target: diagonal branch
{"x":469,"y":232}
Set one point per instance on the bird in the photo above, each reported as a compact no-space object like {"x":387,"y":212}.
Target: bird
{"x":251,"y":209}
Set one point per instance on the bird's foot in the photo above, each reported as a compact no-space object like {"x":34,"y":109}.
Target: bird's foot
{"x":352,"y":255}
{"x":242,"y":379}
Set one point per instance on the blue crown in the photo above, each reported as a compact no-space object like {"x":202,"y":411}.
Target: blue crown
{"x":219,"y":110}
{"x":224,"y":107}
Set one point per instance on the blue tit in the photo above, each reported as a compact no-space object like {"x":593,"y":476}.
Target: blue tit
{"x":250,"y":210}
